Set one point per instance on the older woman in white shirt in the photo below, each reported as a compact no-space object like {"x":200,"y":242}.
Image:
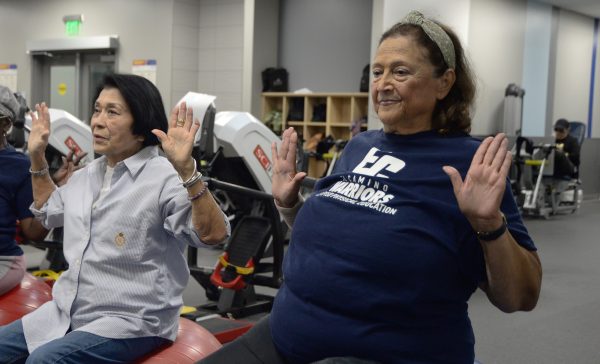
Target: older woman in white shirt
{"x":127,"y":219}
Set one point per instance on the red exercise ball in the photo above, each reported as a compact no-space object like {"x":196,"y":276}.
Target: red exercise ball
{"x":23,"y":299}
{"x":193,"y":343}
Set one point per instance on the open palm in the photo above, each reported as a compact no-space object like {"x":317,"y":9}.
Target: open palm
{"x":40,"y":129}
{"x":286,"y":182}
{"x":479,"y":196}
{"x":178,"y":141}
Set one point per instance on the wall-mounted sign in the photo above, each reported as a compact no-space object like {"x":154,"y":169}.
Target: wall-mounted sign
{"x":8,"y":76}
{"x":145,"y":68}
{"x":72,"y":23}
{"x":62,"y":88}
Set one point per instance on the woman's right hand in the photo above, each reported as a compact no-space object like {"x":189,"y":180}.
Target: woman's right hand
{"x":286,"y":182}
{"x":40,"y":130}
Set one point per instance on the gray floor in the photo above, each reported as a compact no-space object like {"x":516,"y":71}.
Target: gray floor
{"x":563,"y":328}
{"x":565,"y":325}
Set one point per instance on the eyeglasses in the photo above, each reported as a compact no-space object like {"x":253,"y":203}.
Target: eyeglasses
{"x":560,"y":130}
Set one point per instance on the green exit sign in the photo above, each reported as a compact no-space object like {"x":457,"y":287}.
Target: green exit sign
{"x":72,"y":27}
{"x":72,"y":23}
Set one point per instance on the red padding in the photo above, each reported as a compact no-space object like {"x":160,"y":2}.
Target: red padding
{"x":232,"y":334}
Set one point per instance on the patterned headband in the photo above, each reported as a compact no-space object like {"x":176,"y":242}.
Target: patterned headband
{"x":435,"y":33}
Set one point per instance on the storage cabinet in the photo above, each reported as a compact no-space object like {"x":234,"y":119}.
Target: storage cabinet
{"x":313,"y":113}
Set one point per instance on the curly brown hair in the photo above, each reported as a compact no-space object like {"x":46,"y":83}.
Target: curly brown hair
{"x":453,"y":113}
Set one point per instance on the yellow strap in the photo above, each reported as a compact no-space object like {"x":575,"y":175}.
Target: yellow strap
{"x":239,"y":270}
{"x":187,"y":309}
{"x":534,"y":162}
{"x":47,"y":273}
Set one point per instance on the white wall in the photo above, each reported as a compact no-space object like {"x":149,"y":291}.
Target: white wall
{"x":184,"y":49}
{"x":496,"y":41}
{"x":236,"y":39}
{"x":325,"y":45}
{"x":573,"y":66}
{"x":595,"y":130}
{"x":144,"y":29}
{"x":199,"y":45}
{"x":452,"y":13}
{"x":536,"y":68}
{"x":221,"y":52}
{"x":265,"y":40}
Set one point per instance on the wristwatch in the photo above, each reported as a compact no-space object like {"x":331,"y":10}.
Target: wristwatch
{"x":492,"y":235}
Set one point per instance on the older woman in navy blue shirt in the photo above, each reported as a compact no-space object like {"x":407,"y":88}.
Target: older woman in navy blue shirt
{"x":386,"y":252}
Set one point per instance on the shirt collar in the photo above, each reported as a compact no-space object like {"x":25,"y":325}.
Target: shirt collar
{"x":135,"y":163}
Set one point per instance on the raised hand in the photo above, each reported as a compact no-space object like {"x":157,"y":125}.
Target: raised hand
{"x":286,"y":182}
{"x":178,"y":142}
{"x":40,"y":129}
{"x":480,"y":194}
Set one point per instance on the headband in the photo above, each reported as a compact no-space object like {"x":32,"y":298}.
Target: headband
{"x":435,"y":33}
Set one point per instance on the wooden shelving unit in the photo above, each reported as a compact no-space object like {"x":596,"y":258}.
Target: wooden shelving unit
{"x":298,"y":111}
{"x":328,"y":114}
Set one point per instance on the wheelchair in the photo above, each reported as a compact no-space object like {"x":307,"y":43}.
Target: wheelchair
{"x":537,"y":191}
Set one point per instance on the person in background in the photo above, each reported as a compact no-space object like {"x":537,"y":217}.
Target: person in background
{"x":386,"y":252}
{"x":567,"y":155}
{"x":15,"y":199}
{"x":128,"y":217}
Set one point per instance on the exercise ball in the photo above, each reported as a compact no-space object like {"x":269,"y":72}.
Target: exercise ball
{"x":193,"y":343}
{"x":23,"y":299}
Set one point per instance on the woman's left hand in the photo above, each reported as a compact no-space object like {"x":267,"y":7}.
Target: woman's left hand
{"x":480,"y":194}
{"x":178,"y":142}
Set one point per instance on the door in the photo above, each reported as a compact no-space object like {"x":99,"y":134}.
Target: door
{"x":69,"y":80}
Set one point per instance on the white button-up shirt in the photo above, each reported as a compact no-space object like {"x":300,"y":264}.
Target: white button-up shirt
{"x":127,"y":267}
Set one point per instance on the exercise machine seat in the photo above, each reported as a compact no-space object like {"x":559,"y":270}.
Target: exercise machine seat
{"x":192,"y":344}
{"x":23,"y":299}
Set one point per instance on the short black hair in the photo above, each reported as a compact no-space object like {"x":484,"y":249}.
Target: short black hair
{"x":561,"y":124}
{"x":144,"y":102}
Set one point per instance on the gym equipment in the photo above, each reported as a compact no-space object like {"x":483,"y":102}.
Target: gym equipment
{"x":233,"y":154}
{"x":232,"y":150}
{"x":239,"y":173}
{"x":513,"y":110}
{"x":232,"y":282}
{"x":67,"y":133}
{"x":224,"y":329}
{"x":537,"y":191}
{"x":243,"y":141}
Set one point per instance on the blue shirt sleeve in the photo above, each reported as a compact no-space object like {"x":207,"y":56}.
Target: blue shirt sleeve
{"x":24,"y":198}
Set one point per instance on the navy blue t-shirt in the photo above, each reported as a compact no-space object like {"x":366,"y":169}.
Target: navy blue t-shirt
{"x":381,"y":261}
{"x":15,"y":197}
